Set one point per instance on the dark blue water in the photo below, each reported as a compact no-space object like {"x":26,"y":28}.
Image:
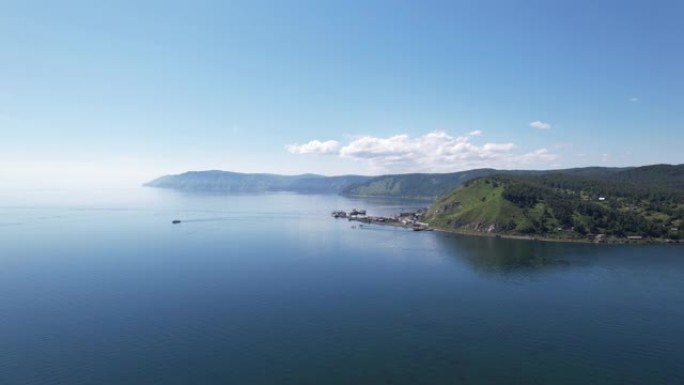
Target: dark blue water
{"x":101,"y":288}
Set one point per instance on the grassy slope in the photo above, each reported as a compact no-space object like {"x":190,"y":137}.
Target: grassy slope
{"x":481,"y":206}
{"x":477,"y":206}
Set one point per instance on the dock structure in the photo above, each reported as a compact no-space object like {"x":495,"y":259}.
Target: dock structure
{"x":356,"y":212}
{"x":408,"y":220}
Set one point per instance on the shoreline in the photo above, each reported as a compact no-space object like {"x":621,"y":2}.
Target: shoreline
{"x":536,"y":238}
{"x":415,"y":223}
{"x":607,"y":241}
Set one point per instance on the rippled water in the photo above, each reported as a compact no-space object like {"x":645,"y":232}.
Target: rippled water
{"x":101,"y":288}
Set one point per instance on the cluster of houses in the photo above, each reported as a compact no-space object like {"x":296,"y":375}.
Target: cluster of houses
{"x":411,"y":220}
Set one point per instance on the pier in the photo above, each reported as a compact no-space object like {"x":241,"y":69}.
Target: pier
{"x":412,"y":220}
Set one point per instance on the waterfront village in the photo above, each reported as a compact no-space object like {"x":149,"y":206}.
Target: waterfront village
{"x":410,"y":220}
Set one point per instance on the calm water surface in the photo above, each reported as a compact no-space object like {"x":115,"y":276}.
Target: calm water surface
{"x":101,"y":288}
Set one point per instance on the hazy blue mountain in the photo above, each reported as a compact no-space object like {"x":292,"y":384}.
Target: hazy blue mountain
{"x":234,"y":182}
{"x":329,"y":184}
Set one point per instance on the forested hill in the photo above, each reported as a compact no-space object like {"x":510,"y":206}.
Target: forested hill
{"x":659,"y":175}
{"x":417,"y":186}
{"x":433,"y":186}
{"x":638,"y":203}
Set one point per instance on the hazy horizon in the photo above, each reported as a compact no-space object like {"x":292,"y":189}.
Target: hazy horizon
{"x":86,"y":184}
{"x":115,"y":94}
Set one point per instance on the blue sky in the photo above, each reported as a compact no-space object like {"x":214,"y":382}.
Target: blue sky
{"x":119,"y":92}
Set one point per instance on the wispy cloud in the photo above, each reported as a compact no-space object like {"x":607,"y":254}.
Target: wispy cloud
{"x":433,"y":152}
{"x":538,"y":124}
{"x":633,"y":99}
{"x":328,"y":147}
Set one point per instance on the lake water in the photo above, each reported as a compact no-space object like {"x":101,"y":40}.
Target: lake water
{"x":101,"y":288}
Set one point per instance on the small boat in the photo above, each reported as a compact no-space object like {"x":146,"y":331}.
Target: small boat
{"x":176,"y":221}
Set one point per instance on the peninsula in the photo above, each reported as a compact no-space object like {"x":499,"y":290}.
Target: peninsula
{"x":641,"y":204}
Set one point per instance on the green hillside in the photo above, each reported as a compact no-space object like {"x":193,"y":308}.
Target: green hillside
{"x":661,"y":175}
{"x":433,"y":186}
{"x":417,"y":186}
{"x":562,"y":206}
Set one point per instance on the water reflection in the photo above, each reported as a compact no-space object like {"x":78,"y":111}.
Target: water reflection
{"x":511,"y":256}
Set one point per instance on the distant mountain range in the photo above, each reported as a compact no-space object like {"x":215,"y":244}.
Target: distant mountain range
{"x":235,"y":182}
{"x":417,"y":186}
{"x":433,"y":186}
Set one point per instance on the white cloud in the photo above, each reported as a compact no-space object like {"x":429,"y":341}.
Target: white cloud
{"x":315,"y":147}
{"x":633,"y":99}
{"x":538,"y":124}
{"x":493,"y":147}
{"x":436,"y":152}
{"x":541,"y":156}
